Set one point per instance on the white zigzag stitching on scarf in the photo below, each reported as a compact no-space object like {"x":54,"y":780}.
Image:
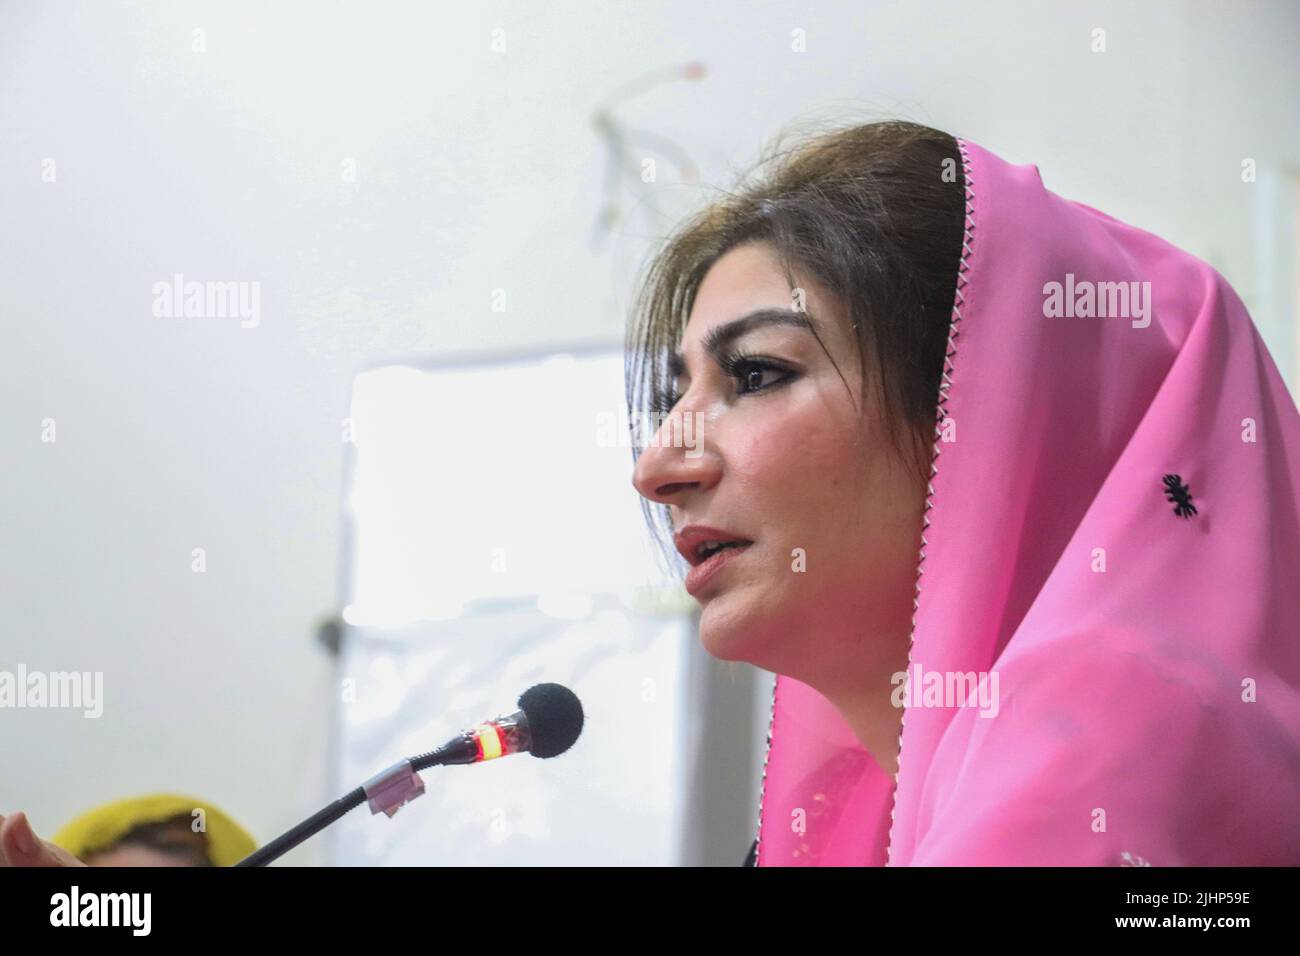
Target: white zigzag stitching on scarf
{"x":945,"y":383}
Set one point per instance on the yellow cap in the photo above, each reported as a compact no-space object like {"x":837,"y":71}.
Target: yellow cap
{"x":102,"y":827}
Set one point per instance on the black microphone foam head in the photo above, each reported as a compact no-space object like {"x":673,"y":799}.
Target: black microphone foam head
{"x":554,"y":718}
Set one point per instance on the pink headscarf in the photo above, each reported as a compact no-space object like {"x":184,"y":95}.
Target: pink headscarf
{"x":1147,"y":658}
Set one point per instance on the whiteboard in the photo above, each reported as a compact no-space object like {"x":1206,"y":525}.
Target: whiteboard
{"x":494,"y":541}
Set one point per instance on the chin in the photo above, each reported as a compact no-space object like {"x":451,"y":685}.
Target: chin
{"x":730,"y":630}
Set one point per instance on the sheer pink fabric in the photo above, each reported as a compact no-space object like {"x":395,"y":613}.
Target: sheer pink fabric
{"x":1148,"y":664}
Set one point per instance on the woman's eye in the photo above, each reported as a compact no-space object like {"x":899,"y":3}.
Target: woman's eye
{"x":751,"y":374}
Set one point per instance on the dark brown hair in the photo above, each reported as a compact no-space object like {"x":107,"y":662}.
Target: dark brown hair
{"x":875,"y":213}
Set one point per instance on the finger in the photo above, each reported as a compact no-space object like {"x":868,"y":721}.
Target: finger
{"x":17,"y":841}
{"x":22,"y":847}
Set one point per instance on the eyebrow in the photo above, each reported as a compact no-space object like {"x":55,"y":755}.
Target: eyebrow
{"x":721,"y":336}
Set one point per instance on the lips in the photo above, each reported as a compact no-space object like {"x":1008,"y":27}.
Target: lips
{"x":704,"y":573}
{"x":704,"y":567}
{"x":692,"y":537}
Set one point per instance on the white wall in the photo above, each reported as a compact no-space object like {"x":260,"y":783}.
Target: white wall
{"x":476,"y":170}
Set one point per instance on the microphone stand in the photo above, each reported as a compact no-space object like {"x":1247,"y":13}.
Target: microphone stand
{"x":308,"y":828}
{"x":386,"y":792}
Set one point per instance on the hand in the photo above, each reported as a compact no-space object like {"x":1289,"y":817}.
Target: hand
{"x":20,"y":846}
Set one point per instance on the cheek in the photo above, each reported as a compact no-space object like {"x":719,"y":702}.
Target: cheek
{"x":806,"y":484}
{"x":795,"y":466}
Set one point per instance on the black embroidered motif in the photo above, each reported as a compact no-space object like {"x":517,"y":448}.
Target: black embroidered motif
{"x":1176,"y":491}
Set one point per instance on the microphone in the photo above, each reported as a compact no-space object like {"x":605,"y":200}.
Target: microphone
{"x":547,"y":723}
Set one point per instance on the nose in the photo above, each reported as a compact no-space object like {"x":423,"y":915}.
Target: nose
{"x":677,"y":460}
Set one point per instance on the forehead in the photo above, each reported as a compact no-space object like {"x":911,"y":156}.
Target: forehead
{"x":744,"y":279}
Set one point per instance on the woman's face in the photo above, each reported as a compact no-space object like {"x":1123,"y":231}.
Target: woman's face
{"x":781,"y":457}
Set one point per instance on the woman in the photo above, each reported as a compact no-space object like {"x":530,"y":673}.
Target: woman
{"x":1011,"y":495}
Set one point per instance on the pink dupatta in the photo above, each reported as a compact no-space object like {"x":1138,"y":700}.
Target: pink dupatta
{"x":1147,"y":658}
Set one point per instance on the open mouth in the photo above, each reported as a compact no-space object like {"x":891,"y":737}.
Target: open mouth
{"x":715,"y":559}
{"x":709,"y":549}
{"x":702,"y":544}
